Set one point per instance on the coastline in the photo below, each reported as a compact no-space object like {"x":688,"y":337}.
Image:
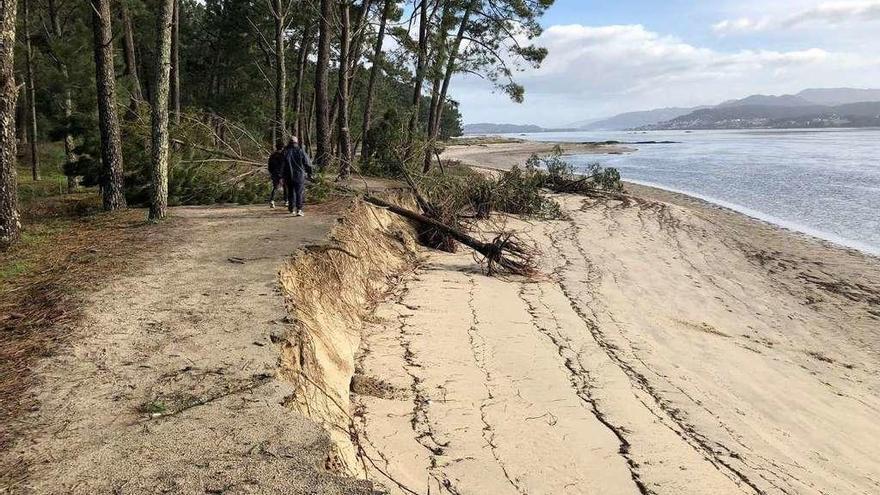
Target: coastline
{"x":502,"y":156}
{"x":669,"y":346}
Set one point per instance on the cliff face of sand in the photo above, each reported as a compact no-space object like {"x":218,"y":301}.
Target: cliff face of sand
{"x":330,"y":290}
{"x":669,"y":349}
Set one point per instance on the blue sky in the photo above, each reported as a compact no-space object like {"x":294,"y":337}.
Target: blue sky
{"x":610,"y":57}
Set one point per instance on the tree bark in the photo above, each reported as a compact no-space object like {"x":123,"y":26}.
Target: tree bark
{"x":322,"y":74}
{"x":21,"y":115}
{"x":344,"y":75}
{"x":301,"y":60}
{"x":31,"y":103}
{"x":280,"y":73}
{"x":374,"y":73}
{"x":112,"y":187}
{"x":421,"y":65}
{"x":358,"y":31}
{"x":175,"y":62}
{"x":130,"y":54}
{"x":159,"y":117}
{"x":67,"y":97}
{"x":438,"y":106}
{"x":10,"y":222}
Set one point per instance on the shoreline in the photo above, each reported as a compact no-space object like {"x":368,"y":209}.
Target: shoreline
{"x":691,"y":199}
{"x":494,"y":159}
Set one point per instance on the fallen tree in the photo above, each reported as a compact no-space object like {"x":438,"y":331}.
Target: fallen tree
{"x":505,"y":254}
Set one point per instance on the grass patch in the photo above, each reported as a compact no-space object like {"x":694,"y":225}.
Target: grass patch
{"x":12,"y":269}
{"x":153,"y":408}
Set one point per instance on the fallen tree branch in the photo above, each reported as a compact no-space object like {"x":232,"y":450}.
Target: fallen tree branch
{"x":504,"y":254}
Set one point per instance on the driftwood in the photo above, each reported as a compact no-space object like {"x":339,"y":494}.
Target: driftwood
{"x":504,"y":254}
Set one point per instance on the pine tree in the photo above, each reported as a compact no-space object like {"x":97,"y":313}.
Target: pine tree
{"x":159,"y":116}
{"x":108,"y":120}
{"x":10,"y":223}
{"x":322,"y":74}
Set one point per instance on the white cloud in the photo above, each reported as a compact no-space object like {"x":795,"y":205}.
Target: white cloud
{"x":591,"y":71}
{"x":826,"y":14}
{"x":837,"y":12}
{"x":741,"y":25}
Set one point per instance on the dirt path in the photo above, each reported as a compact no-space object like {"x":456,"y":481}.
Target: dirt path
{"x":171,"y":386}
{"x":667,"y":351}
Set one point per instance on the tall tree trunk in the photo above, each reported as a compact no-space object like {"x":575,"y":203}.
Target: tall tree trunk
{"x":421,"y":65}
{"x":31,"y":99}
{"x":10,"y":223}
{"x":357,"y":45}
{"x":105,"y":80}
{"x":297,"y":97}
{"x":67,"y":97}
{"x":21,"y":115}
{"x":130,"y":55}
{"x":280,"y":73}
{"x":175,"y":62}
{"x":310,"y":122}
{"x":344,"y":74}
{"x":322,"y":74}
{"x":437,"y":106}
{"x":161,"y":88}
{"x":374,"y":73}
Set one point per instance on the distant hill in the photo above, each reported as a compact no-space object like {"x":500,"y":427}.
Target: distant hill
{"x":782,"y":116}
{"x":815,"y":107}
{"x":839,"y":96}
{"x":632,"y":120}
{"x":769,"y":101}
{"x":486,"y":128}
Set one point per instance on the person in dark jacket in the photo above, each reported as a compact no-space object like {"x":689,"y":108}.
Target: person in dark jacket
{"x":276,"y":172}
{"x":297,"y":167}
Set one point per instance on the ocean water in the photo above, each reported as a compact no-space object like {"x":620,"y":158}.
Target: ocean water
{"x":825,"y":183}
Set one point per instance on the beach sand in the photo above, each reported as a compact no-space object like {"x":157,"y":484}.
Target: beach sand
{"x":506,"y":154}
{"x":669,"y":346}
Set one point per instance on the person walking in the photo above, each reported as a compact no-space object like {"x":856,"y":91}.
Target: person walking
{"x":297,"y":166}
{"x":276,"y":172}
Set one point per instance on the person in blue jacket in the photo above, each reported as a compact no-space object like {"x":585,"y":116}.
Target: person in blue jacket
{"x":297,"y":167}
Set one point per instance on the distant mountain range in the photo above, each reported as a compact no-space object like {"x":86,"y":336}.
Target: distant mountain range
{"x":826,"y":107}
{"x":842,"y":107}
{"x":632,"y":120}
{"x":747,"y":116}
{"x":486,"y":128}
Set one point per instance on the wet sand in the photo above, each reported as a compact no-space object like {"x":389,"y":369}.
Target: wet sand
{"x":669,"y":347}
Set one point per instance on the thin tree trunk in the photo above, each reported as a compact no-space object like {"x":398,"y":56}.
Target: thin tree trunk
{"x":112,"y":187}
{"x":67,"y":98}
{"x":310,"y":122}
{"x":31,"y":102}
{"x":302,"y":61}
{"x":344,"y":74}
{"x":175,"y":63}
{"x":437,"y":107}
{"x":161,"y":88}
{"x":280,"y":73}
{"x":322,"y":74}
{"x":374,"y":72}
{"x":130,"y":54}
{"x":21,"y":115}
{"x":421,"y":64}
{"x":10,"y":223}
{"x":357,"y":46}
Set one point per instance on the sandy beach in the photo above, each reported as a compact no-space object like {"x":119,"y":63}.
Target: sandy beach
{"x":503,"y":155}
{"x":670,"y":346}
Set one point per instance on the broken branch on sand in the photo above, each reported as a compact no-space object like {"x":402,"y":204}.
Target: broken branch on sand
{"x":504,"y":254}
